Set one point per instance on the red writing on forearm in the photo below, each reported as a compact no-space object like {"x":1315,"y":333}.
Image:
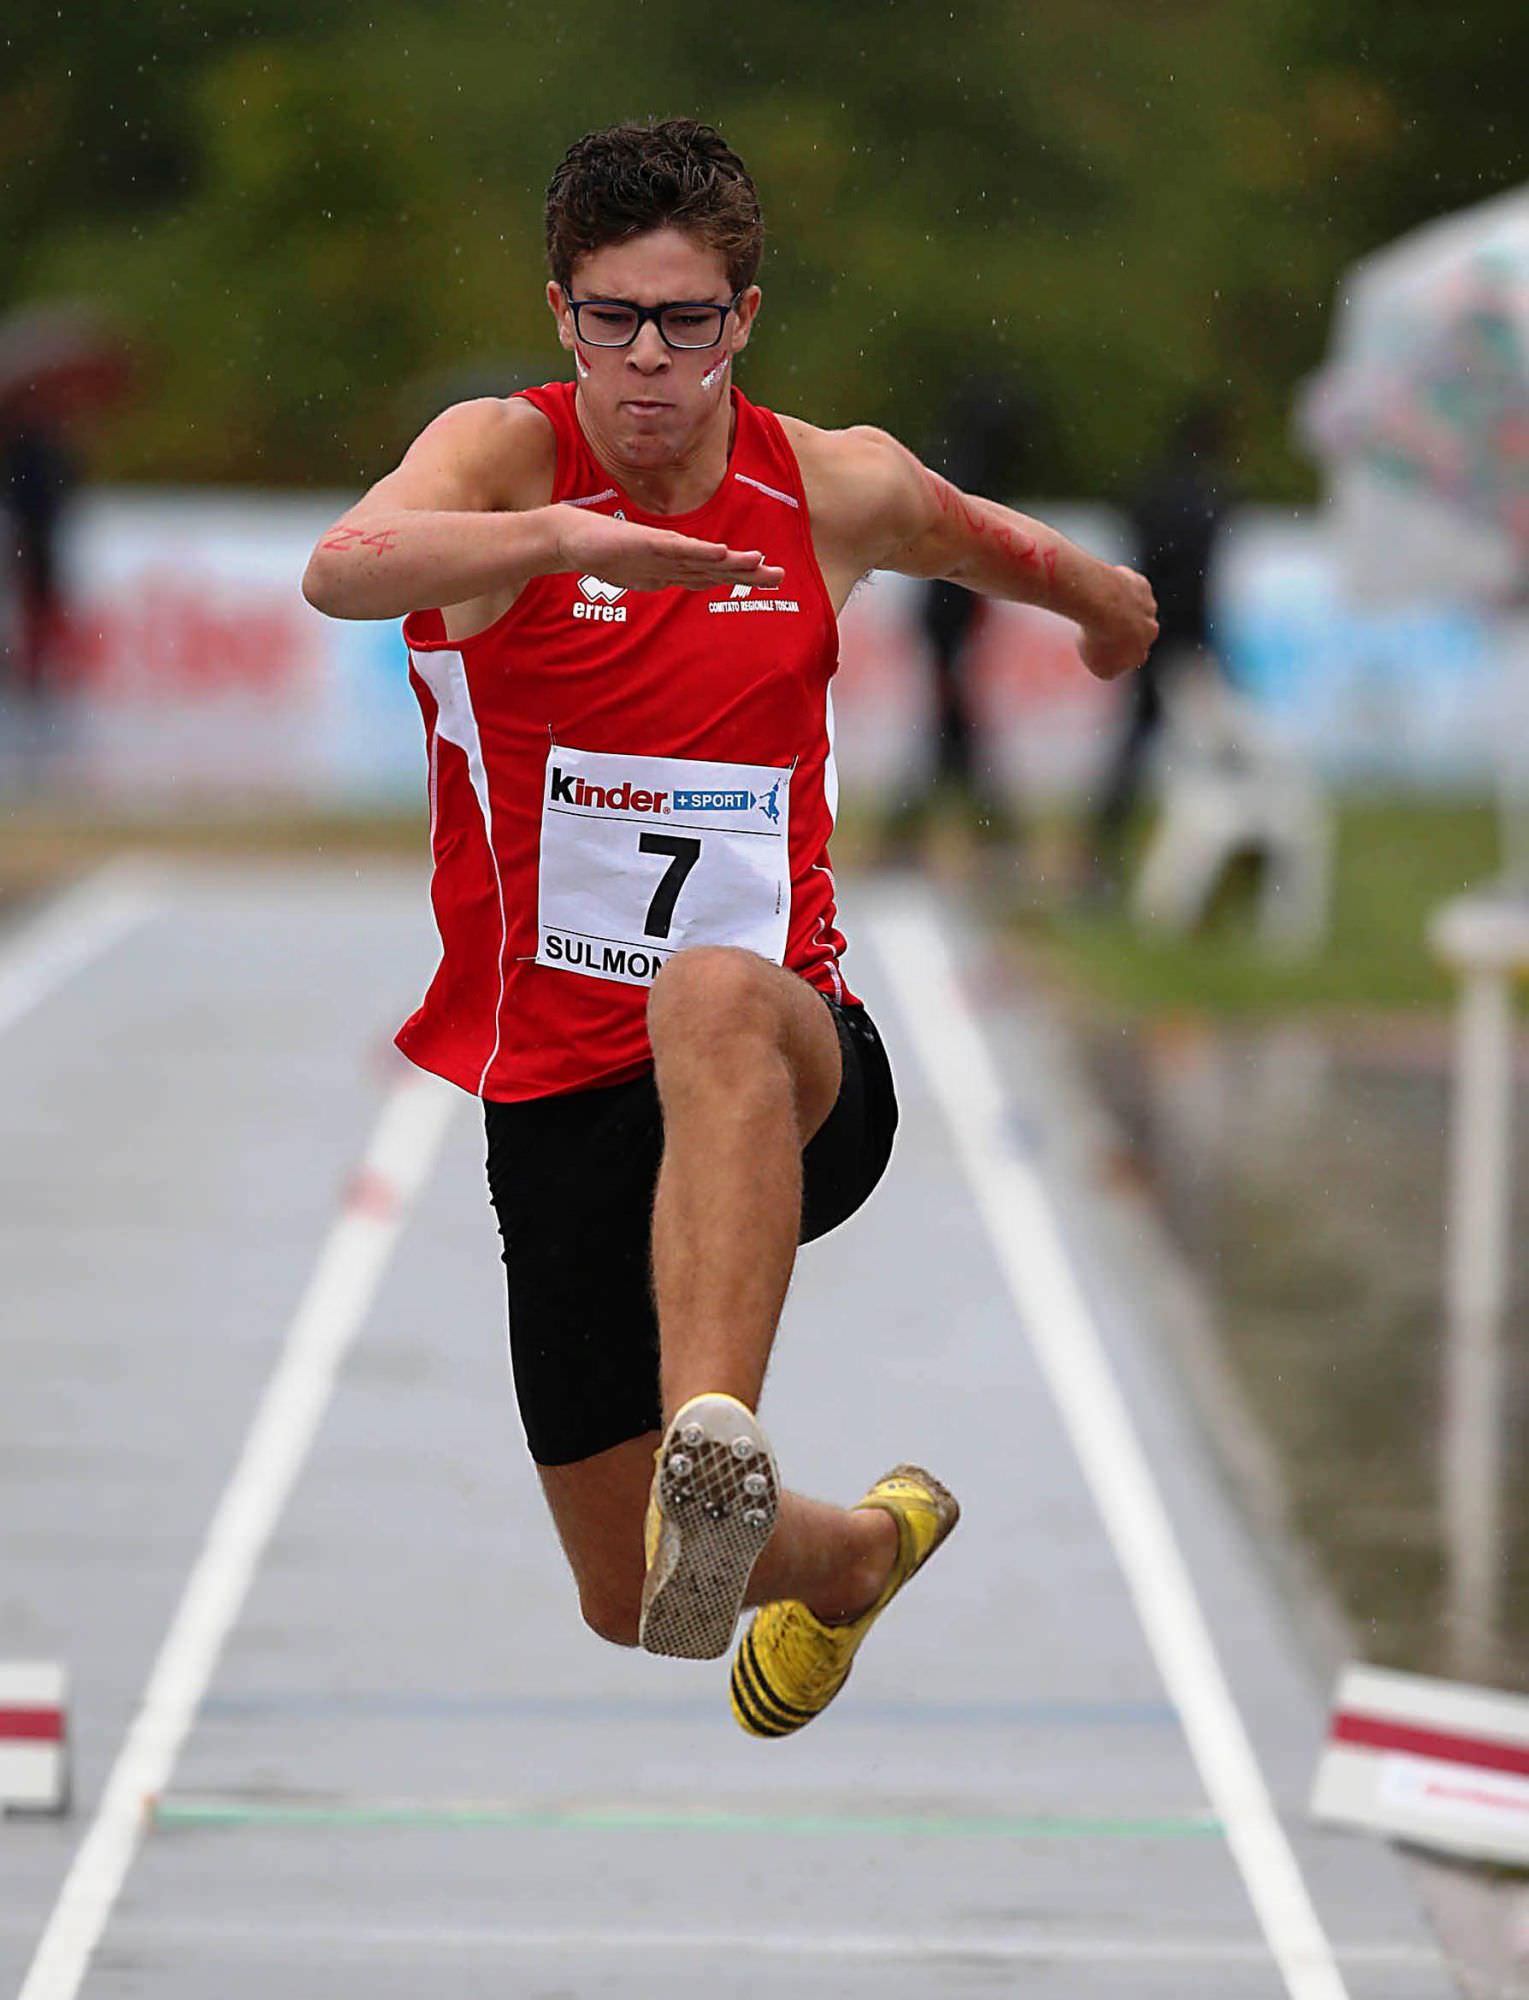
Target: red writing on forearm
{"x":380,"y":539}
{"x":957,"y":507}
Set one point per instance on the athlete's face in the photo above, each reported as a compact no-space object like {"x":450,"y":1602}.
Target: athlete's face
{"x":649,"y":401}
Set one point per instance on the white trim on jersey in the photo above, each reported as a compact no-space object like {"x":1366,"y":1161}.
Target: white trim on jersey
{"x":774,"y":492}
{"x":445,"y":674}
{"x":820,"y":943}
{"x":831,"y":800}
{"x":830,"y":762}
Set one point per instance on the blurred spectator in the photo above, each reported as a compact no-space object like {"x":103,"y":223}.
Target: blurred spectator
{"x":987,"y":429}
{"x":38,"y":479}
{"x":62,"y":367}
{"x":1175,"y":517}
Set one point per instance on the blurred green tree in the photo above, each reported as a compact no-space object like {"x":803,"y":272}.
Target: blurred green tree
{"x":309,"y":215}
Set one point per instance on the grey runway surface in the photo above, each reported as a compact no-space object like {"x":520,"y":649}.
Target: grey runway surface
{"x":412,"y":1770}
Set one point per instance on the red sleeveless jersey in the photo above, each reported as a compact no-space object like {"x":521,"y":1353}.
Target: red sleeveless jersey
{"x":617,"y":774}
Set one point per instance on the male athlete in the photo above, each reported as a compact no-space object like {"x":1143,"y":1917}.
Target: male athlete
{"x":621,"y":597}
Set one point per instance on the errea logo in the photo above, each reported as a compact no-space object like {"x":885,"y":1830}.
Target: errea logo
{"x":599,"y":600}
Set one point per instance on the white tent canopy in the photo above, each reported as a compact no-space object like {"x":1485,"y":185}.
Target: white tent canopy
{"x":1421,"y":413}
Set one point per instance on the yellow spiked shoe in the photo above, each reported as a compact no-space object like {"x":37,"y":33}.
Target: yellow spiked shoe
{"x":789,"y":1665}
{"x":711,"y":1510}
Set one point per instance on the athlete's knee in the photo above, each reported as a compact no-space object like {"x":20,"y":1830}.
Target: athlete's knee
{"x":711,"y":991}
{"x":611,"y":1615}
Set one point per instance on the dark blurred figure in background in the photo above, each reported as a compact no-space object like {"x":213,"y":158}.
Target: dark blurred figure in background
{"x":1175,"y":519}
{"x":63,"y":367}
{"x":39,"y":477}
{"x":987,"y":433}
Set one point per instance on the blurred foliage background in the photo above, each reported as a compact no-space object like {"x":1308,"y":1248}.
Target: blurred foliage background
{"x":306,"y":213}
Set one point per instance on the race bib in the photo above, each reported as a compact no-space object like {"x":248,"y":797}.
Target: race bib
{"x":642,"y":856}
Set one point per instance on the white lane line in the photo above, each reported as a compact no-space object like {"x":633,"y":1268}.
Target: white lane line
{"x":76,"y":926}
{"x":280,"y":1939}
{"x":1013,"y":1202}
{"x":351,"y":1264}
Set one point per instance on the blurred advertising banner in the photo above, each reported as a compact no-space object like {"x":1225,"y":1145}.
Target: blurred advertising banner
{"x":195,"y":674}
{"x":1414,"y":696}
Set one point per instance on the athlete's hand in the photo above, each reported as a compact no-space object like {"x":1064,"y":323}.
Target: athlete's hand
{"x":1120,"y":634}
{"x":642,"y":558}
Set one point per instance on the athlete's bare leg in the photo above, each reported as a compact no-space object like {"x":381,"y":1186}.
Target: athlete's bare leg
{"x":747,"y":1063}
{"x":832,"y":1559}
{"x":746,"y":1058}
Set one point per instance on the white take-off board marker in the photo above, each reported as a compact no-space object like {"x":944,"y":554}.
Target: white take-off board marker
{"x":1428,"y":1761}
{"x":34,"y":1737}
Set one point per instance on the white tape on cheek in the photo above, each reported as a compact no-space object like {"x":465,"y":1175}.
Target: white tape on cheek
{"x":714,"y":374}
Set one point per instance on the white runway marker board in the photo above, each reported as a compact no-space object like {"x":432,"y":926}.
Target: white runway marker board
{"x":1433,"y":1762}
{"x":34,"y":1738}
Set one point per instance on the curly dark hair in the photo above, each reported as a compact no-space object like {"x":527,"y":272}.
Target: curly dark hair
{"x":618,"y":183}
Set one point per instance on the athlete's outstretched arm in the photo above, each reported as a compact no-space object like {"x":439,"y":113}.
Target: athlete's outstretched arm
{"x":466,"y":516}
{"x":445,"y":526}
{"x":916,"y":522}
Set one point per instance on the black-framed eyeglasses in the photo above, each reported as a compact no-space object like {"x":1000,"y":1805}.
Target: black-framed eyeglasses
{"x":680,"y":323}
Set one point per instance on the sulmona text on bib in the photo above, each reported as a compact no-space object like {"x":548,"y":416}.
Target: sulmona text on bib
{"x":615,"y":776}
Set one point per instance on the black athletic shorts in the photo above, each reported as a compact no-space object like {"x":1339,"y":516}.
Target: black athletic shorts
{"x":571,"y":1179}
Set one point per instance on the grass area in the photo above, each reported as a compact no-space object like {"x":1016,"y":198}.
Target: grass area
{"x":1395,"y":863}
